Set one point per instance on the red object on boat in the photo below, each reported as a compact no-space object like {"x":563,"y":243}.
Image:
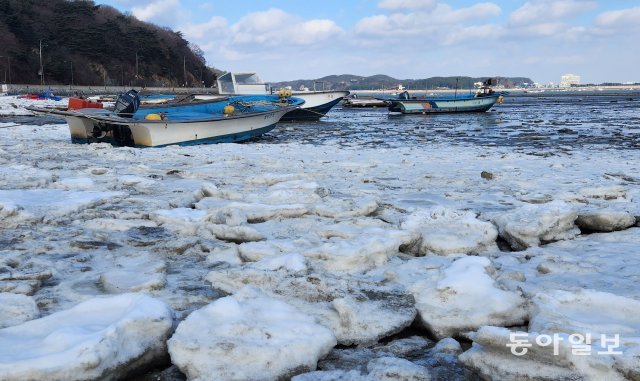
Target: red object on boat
{"x":31,"y":96}
{"x":77,"y":103}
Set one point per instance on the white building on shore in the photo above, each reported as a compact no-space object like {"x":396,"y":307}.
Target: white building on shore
{"x":569,"y":79}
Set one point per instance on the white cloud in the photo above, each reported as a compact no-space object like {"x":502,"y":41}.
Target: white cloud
{"x":429,"y":23}
{"x":547,"y":29}
{"x":537,"y":11}
{"x":163,"y":10}
{"x":474,"y":34}
{"x":619,"y":19}
{"x":560,"y":59}
{"x":216,"y":26}
{"x":277,"y":28}
{"x":407,"y":4}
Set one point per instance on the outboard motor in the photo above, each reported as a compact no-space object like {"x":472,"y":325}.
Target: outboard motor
{"x":404,"y":95}
{"x":127,"y":103}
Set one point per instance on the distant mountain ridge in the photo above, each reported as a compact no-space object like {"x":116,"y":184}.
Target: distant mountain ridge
{"x":381,"y":81}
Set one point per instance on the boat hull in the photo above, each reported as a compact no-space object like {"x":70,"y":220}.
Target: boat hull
{"x":363,"y":102}
{"x":450,"y":105}
{"x":313,"y":113}
{"x":316,"y":104}
{"x":91,"y":129}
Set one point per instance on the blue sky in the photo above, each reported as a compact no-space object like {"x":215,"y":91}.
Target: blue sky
{"x":294,"y":39}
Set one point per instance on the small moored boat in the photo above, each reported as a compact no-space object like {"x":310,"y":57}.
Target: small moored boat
{"x":353,"y":100}
{"x":228,"y":119}
{"x":481,"y":101}
{"x":317,"y":103}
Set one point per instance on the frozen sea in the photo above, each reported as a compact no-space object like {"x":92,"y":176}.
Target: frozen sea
{"x":366,"y":246}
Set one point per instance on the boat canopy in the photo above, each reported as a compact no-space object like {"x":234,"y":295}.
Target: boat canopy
{"x":242,"y":83}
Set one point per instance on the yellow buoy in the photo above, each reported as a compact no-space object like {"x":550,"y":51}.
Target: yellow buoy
{"x":500,"y":99}
{"x":229,"y":110}
{"x":153,"y":117}
{"x":284,"y":93}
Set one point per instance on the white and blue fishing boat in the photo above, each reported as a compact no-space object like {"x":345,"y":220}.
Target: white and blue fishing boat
{"x":226,"y":119}
{"x":317,"y":103}
{"x":481,"y":101}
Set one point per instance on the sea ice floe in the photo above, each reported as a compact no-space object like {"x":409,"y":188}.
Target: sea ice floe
{"x":323,"y":226}
{"x":115,"y":224}
{"x":411,"y":358}
{"x":184,"y":220}
{"x":75,"y":183}
{"x":248,"y":336}
{"x":225,"y":255}
{"x":16,"y":309}
{"x":20,"y":176}
{"x":102,"y":337}
{"x":134,"y":273}
{"x":606,"y":262}
{"x":603,"y":325}
{"x":393,"y":368}
{"x":456,"y":295}
{"x":370,"y":248}
{"x":347,"y":208}
{"x":256,"y":251}
{"x":21,"y":275}
{"x":585,"y":312}
{"x":446,"y":231}
{"x":604,"y":192}
{"x":533,"y":224}
{"x":273,"y":178}
{"x":605,"y":221}
{"x":498,"y":353}
{"x":50,"y":204}
{"x":235,"y":234}
{"x":289,"y":262}
{"x":252,"y":212}
{"x":358,"y":311}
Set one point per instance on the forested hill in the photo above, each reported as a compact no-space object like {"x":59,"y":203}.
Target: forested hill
{"x":376,"y":82}
{"x":93,"y":45}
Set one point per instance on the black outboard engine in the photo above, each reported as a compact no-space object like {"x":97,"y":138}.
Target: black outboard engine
{"x":404,"y":95}
{"x":127,"y":104}
{"x":490,"y":82}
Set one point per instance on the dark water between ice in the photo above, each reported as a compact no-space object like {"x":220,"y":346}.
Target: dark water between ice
{"x":550,"y":120}
{"x":539,"y":121}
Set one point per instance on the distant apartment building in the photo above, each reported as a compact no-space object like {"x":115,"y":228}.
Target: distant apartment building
{"x":568,"y":80}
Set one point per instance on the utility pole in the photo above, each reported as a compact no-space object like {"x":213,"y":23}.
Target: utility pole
{"x":41,"y":67}
{"x":71,"y":71}
{"x":8,"y":68}
{"x":184,"y":69}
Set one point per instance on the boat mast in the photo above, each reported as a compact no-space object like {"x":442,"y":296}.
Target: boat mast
{"x":455,"y":94}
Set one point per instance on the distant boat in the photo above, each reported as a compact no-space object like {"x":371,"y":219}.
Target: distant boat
{"x":481,"y":101}
{"x":228,"y":119}
{"x":44,"y":95}
{"x":317,"y":103}
{"x":362,"y":101}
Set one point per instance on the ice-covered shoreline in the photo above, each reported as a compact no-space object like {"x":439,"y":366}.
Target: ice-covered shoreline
{"x":360,"y":242}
